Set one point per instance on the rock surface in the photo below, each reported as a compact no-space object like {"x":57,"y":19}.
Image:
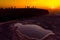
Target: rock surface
{"x":47,"y":22}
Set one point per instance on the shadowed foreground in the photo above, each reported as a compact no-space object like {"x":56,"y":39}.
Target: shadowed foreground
{"x":47,"y":22}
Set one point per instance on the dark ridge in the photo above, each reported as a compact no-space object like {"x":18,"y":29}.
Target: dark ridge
{"x":8,"y":14}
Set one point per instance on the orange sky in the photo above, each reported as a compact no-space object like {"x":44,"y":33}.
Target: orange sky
{"x":52,"y":4}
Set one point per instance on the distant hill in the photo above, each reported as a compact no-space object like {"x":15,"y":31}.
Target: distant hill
{"x":18,"y":13}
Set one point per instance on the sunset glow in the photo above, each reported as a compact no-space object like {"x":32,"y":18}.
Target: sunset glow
{"x":53,"y":4}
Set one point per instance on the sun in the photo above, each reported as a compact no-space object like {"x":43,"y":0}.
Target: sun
{"x":53,"y":7}
{"x":53,"y":4}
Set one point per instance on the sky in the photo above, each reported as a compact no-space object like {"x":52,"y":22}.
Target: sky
{"x":37,"y":3}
